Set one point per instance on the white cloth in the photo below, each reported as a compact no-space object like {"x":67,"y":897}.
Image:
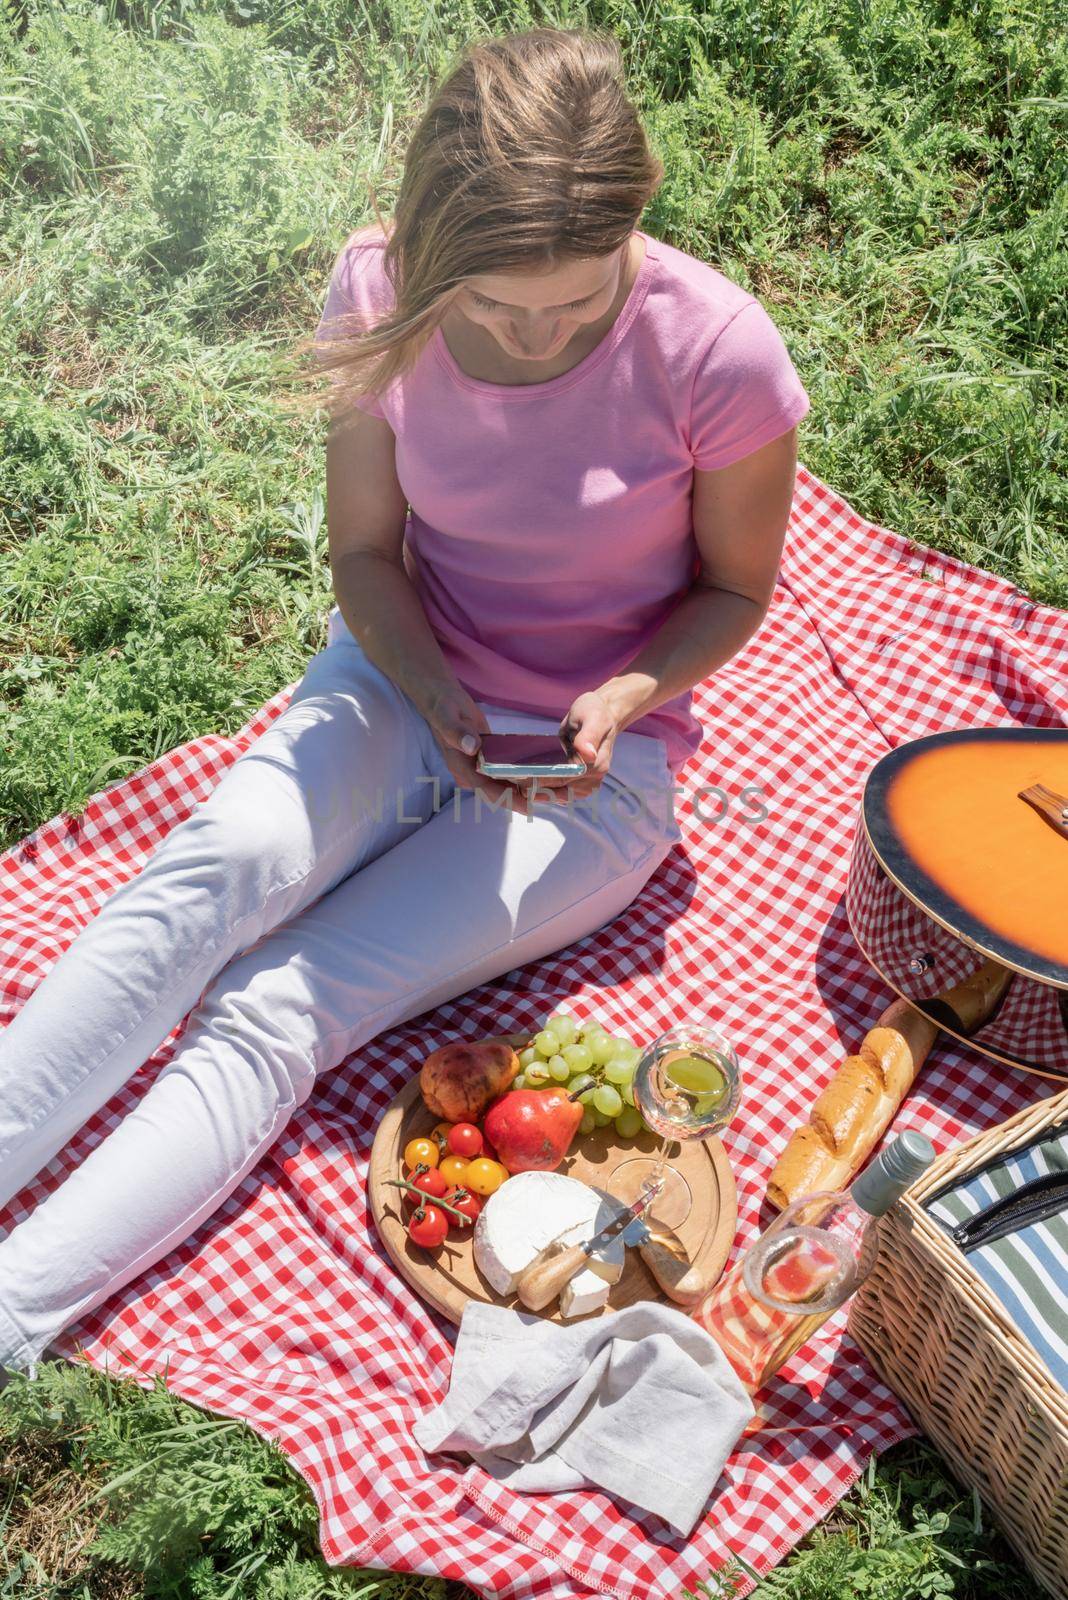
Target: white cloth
{"x":330,"y":886}
{"x":640,"y":1402}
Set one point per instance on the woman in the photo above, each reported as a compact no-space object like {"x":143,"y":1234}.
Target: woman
{"x":595,"y":434}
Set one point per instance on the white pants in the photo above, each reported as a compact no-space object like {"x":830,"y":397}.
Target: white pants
{"x":300,"y":919}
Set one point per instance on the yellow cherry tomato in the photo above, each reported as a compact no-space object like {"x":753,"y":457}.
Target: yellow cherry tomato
{"x":454,"y":1169}
{"x":484,"y":1176}
{"x":441,"y":1134}
{"x":420,"y":1153}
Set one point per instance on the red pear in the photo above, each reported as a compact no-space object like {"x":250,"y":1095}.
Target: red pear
{"x":532,"y":1129}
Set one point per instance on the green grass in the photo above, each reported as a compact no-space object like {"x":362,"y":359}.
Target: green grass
{"x":111,"y":1492}
{"x":174,"y":182}
{"x":889,"y":177}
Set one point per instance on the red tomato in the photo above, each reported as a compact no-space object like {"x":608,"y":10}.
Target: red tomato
{"x":466,"y":1202}
{"x":465,"y":1140}
{"x":428,"y":1181}
{"x":428,"y":1227}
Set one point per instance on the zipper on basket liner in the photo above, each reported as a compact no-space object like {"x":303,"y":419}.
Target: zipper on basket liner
{"x":1056,"y":1130}
{"x":1033,"y":1202}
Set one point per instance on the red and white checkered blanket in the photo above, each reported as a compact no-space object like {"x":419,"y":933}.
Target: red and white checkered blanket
{"x":284,"y":1310}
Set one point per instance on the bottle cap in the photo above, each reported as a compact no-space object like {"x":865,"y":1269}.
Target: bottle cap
{"x":886,"y":1180}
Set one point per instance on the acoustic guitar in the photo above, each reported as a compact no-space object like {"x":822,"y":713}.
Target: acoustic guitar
{"x":958,"y":896}
{"x":961,"y":860}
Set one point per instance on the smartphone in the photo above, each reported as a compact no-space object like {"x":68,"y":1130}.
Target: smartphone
{"x":511,"y":756}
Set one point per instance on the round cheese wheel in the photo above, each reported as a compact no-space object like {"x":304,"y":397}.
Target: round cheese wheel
{"x":529,"y":1212}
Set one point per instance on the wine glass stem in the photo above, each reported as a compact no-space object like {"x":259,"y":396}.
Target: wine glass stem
{"x":661,"y":1159}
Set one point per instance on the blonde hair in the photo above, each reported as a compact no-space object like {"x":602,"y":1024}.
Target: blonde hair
{"x":528,"y":155}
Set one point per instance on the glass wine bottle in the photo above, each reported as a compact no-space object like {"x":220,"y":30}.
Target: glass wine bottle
{"x":815,"y":1255}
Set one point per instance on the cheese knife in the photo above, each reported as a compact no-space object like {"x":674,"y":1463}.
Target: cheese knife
{"x":554,"y":1267}
{"x":661,"y":1249}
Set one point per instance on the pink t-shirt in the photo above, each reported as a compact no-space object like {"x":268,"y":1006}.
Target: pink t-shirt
{"x":550,"y":530}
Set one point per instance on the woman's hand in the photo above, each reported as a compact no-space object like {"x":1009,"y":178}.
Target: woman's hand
{"x":590,"y":728}
{"x":457,"y":722}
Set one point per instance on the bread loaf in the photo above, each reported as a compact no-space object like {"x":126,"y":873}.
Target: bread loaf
{"x":862,"y":1099}
{"x":857,"y":1106}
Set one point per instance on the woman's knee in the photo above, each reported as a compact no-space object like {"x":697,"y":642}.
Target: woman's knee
{"x":343,"y":674}
{"x":239,"y":848}
{"x":236,"y":1034}
{"x":347,"y":746}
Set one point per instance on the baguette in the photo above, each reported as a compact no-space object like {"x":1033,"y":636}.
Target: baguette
{"x":862,"y":1099}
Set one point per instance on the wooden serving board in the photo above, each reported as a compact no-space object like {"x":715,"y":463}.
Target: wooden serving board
{"x":448,"y":1278}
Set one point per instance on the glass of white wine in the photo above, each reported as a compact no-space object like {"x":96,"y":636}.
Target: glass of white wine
{"x":687,"y":1085}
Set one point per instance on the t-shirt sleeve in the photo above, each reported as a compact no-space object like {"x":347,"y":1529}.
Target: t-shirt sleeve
{"x":746,"y":391}
{"x":351,"y":304}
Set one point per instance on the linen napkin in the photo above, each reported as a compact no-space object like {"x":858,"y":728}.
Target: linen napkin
{"x":640,"y":1402}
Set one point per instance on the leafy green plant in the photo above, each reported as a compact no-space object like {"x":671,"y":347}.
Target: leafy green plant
{"x":133,"y":1491}
{"x":907,"y":1532}
{"x":178,"y":177}
{"x":176,"y":1503}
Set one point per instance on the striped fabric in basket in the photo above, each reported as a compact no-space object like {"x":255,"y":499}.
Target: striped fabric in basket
{"x":1010,"y":1218}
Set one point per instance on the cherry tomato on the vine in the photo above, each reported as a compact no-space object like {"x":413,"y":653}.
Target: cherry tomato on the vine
{"x":440,"y":1135}
{"x":429,"y":1226}
{"x":421,"y":1153}
{"x":466,"y":1202}
{"x":429,"y":1181}
{"x":465,"y":1140}
{"x":454,"y":1169}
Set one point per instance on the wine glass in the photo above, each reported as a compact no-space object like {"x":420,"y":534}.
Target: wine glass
{"x":687,"y":1085}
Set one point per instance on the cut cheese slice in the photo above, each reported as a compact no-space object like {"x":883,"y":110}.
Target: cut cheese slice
{"x":589,"y":1289}
{"x":529,"y":1212}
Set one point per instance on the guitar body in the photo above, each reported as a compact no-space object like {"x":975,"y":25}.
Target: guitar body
{"x":954,"y":872}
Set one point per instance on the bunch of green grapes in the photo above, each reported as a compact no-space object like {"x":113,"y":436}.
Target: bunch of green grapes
{"x":589,"y":1062}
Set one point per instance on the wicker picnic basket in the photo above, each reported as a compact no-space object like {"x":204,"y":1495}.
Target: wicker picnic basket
{"x":971,"y":1381}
